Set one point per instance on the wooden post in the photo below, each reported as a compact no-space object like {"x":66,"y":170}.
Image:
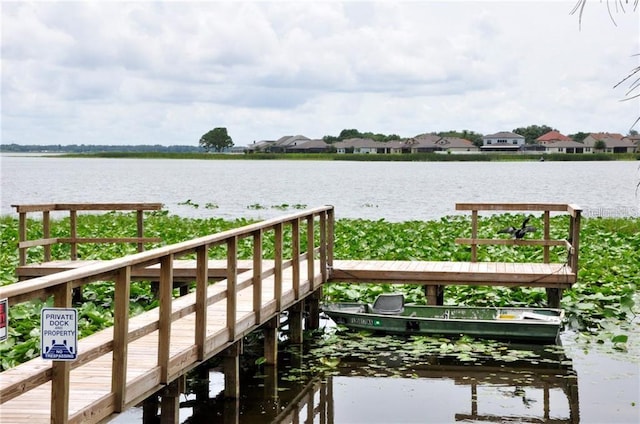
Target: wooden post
{"x":271,"y":382}
{"x":73,"y":230}
{"x":277,"y":277}
{"x":474,"y":236}
{"x":170,"y":401}
{"x":331,"y":238}
{"x":232,"y":281}
{"x":313,"y":306}
{"x":270,"y":331}
{"x":231,"y":411}
{"x":150,"y":409}
{"x":140,"y":228}
{"x":575,"y":240}
{"x":257,"y":276}
{"x":46,"y":233}
{"x":60,"y":370}
{"x":295,"y":322}
{"x":295,"y":256}
{"x":120,"y":338}
{"x":22,"y":236}
{"x":431,"y":293}
{"x":546,"y":236}
{"x":164,"y":319}
{"x":202,"y":282}
{"x":201,"y":391}
{"x":554,"y":296}
{"x":231,"y":365}
{"x":323,"y":246}
{"x":310,"y":253}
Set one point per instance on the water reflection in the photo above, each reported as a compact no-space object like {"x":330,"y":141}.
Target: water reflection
{"x":384,"y":388}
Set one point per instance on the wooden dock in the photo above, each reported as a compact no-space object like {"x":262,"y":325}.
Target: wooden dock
{"x":119,"y":367}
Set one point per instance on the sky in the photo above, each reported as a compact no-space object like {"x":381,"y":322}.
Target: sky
{"x":142,"y":72}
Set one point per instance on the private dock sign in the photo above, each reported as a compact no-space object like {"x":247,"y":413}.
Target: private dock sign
{"x":59,"y":334}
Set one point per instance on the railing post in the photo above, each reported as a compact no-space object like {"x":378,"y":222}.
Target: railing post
{"x":232,"y":280}
{"x":474,"y":235}
{"x":60,"y":370}
{"x":257,"y":275}
{"x":295,"y":256}
{"x":120,"y":338}
{"x":22,"y":236}
{"x":545,"y":249}
{"x":46,"y":233}
{"x":202,"y":283}
{"x":575,"y":240}
{"x":310,"y":252}
{"x":323,"y":246}
{"x":277,"y":257}
{"x":331,"y":237}
{"x":140,"y":228}
{"x":73,"y":231}
{"x":164,"y":318}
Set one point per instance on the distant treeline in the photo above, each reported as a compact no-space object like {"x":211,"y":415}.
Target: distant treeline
{"x":87,"y":148}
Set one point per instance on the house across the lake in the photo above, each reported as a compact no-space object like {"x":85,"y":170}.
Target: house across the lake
{"x":504,"y":141}
{"x":610,"y":143}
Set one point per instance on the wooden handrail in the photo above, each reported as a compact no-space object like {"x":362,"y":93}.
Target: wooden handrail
{"x":572,"y":241}
{"x":316,"y":225}
{"x":24,"y":243}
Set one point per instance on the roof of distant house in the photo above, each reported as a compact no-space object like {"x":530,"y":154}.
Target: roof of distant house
{"x":606,"y":135}
{"x":552,"y":136}
{"x":503,"y":134}
{"x":565,"y":143}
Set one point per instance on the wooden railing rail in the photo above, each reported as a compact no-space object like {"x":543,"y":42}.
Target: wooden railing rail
{"x":24,"y":243}
{"x":572,"y":241}
{"x":317,"y":224}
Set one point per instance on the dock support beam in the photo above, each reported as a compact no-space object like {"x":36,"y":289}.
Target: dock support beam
{"x":554,"y":296}
{"x":270,"y":331}
{"x":170,"y":403}
{"x":150,"y":409}
{"x":231,"y":365}
{"x":313,"y":307}
{"x":434,"y":295}
{"x":296,"y":312}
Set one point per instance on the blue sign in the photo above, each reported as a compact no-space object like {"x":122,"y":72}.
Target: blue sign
{"x":59,"y":334}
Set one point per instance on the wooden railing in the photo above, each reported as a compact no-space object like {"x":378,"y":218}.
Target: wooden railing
{"x":311,"y":235}
{"x":571,"y":242}
{"x":24,"y":243}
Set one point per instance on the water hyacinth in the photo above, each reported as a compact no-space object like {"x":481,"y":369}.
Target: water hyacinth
{"x":606,"y":292}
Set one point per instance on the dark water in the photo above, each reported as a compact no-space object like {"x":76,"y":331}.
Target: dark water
{"x":553,"y":384}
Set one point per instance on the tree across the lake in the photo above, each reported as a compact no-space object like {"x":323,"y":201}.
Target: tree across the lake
{"x":217,"y":140}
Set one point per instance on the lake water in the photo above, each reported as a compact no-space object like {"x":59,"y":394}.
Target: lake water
{"x":608,"y":384}
{"x":395,"y":191}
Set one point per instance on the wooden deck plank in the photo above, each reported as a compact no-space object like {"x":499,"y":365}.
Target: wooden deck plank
{"x":457,"y":273}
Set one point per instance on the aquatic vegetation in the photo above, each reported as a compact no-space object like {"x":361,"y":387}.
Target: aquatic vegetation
{"x":601,"y":307}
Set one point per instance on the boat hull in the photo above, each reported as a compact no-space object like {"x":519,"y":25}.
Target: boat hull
{"x":530,"y":325}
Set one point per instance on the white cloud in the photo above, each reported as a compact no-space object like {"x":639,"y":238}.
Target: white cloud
{"x":167,"y":72}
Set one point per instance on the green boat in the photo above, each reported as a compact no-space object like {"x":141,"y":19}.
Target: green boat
{"x":389,"y":314}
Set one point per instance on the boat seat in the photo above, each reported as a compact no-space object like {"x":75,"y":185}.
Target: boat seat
{"x":388,"y":304}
